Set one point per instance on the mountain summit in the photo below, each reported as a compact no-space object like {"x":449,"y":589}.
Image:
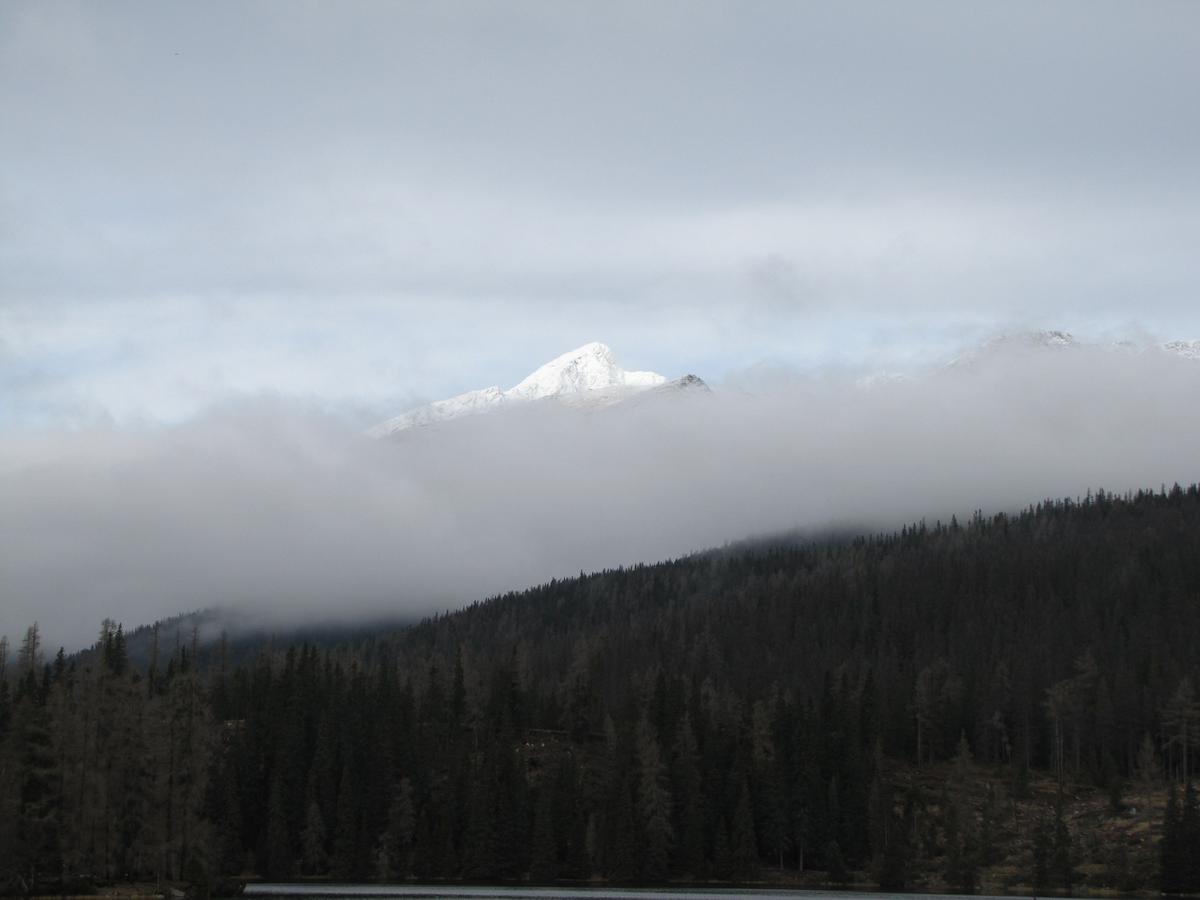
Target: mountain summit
{"x":590,"y":368}
{"x":588,"y":375}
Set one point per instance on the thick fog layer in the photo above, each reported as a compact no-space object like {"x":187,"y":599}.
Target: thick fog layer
{"x":296,"y":516}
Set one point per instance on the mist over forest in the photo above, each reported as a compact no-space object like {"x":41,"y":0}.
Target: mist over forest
{"x":292,"y":515}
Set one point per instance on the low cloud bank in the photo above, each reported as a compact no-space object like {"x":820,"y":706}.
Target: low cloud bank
{"x":297,"y":517}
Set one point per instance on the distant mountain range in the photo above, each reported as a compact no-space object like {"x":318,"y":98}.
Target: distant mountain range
{"x":1024,"y":343}
{"x":589,"y":377}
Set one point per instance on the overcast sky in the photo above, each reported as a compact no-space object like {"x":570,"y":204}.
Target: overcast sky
{"x":233,"y":234}
{"x":372,"y":204}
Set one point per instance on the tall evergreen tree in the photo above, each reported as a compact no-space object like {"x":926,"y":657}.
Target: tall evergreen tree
{"x":654,"y":804}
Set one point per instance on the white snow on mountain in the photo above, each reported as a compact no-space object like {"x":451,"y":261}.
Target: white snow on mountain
{"x":1020,"y":343}
{"x":587,"y":376}
{"x":1024,"y":343}
{"x":590,"y":368}
{"x":1186,"y":349}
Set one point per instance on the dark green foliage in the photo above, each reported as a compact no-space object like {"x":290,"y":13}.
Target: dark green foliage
{"x":1189,"y":823}
{"x":654,"y":805}
{"x":711,"y":717}
{"x":1043,"y":848}
{"x":687,"y":797}
{"x":835,"y":863}
{"x":897,"y":853}
{"x":280,"y":861}
{"x":743,"y":849}
{"x":962,"y":838}
{"x":37,"y":850}
{"x":1062,"y":860}
{"x":1053,"y":852}
{"x":624,"y":845}
{"x":116,"y":660}
{"x":962,"y":866}
{"x":1180,"y":847}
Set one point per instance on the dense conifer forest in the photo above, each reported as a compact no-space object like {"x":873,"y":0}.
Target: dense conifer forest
{"x":909,"y":709}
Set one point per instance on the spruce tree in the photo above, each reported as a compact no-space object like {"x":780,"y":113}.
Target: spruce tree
{"x":1189,"y":840}
{"x":401,"y":830}
{"x":1063,"y":857}
{"x":346,"y":861}
{"x":544,"y":861}
{"x":280,"y":860}
{"x":743,"y":847}
{"x":314,"y":859}
{"x":685,"y":795}
{"x":36,"y":851}
{"x":654,"y":805}
{"x":1043,"y":846}
{"x":1172,"y":854}
{"x":482,"y":843}
{"x":624,"y":851}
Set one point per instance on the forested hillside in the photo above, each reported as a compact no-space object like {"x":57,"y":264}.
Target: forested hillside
{"x":917,"y":709}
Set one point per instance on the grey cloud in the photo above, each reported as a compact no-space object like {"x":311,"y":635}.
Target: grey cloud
{"x":566,"y":151}
{"x":290,"y":515}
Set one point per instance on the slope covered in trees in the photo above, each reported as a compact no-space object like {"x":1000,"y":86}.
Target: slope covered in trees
{"x":875,"y":705}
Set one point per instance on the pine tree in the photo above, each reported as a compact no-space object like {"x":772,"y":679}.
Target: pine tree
{"x":743,"y":848}
{"x":897,"y":851}
{"x":571,"y":822}
{"x":1043,"y":846}
{"x":685,"y":794}
{"x":624,"y":852}
{"x":1189,"y":844}
{"x":29,"y":659}
{"x":960,"y":870}
{"x":346,"y":861}
{"x":513,"y":815}
{"x":280,"y":861}
{"x":654,"y":805}
{"x":835,"y":862}
{"x":962,"y":852}
{"x":224,"y":811}
{"x":1173,"y":854}
{"x":314,"y":859}
{"x":482,"y":842}
{"x":36,"y":851}
{"x":397,"y":840}
{"x":1062,"y":859}
{"x":544,"y":865}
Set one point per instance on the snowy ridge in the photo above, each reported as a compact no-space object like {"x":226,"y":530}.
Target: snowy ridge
{"x":587,"y":376}
{"x":1020,"y":343}
{"x":1024,"y":343}
{"x":1186,"y":349}
{"x":590,"y":378}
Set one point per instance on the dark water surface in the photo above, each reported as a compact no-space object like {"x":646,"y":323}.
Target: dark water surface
{"x":340,"y":891}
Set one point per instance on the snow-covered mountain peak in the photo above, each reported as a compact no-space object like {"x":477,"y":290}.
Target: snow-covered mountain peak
{"x":591,"y":367}
{"x":588,"y":375}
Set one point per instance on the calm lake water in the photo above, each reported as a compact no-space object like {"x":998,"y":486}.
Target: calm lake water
{"x":337,"y":891}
